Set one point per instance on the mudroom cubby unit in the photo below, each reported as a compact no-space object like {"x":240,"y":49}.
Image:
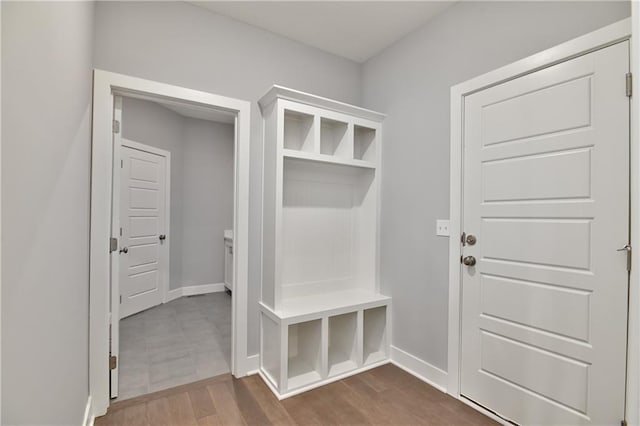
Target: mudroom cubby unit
{"x":322,"y":315}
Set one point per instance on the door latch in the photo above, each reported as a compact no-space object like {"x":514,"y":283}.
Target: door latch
{"x":627,"y":248}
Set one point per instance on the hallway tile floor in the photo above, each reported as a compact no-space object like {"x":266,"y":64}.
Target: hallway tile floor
{"x":185,"y":340}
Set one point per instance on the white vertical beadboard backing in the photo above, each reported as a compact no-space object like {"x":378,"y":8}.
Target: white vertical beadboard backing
{"x":633,"y":332}
{"x":106,"y":85}
{"x":595,"y":40}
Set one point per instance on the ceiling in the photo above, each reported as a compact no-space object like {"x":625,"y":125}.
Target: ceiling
{"x":357,"y":30}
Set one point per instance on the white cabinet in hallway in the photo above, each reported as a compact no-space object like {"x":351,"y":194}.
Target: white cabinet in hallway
{"x":322,"y":315}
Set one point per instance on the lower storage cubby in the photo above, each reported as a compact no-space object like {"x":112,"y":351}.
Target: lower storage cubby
{"x":304,"y":353}
{"x":375,"y":335}
{"x":299,"y":353}
{"x":343,"y":343}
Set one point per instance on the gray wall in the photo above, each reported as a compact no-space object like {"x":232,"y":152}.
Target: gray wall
{"x":410,"y":81}
{"x":182,"y":44}
{"x":152,"y":124}
{"x":46,"y":119}
{"x":201,"y":186}
{"x":207,"y":198}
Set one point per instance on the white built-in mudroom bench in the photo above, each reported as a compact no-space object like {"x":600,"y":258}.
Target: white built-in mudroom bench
{"x":322,"y":315}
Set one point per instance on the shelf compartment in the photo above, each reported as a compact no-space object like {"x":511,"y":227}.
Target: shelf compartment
{"x":326,"y":159}
{"x":375,"y":335}
{"x":343,"y":343}
{"x":304,"y":353}
{"x":298,"y":131}
{"x":334,"y":138}
{"x":328,"y":229}
{"x":364,"y":144}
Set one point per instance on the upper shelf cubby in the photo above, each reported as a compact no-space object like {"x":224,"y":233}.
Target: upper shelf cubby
{"x":364,"y":143}
{"x":335,"y":139}
{"x":298,"y":131}
{"x":323,"y":130}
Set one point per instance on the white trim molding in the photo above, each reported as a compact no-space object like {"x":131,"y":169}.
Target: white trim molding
{"x":595,"y":40}
{"x":195,"y":290}
{"x":106,"y":86}
{"x":633,"y":333}
{"x":88,"y":418}
{"x":424,"y":371}
{"x":253,"y":364}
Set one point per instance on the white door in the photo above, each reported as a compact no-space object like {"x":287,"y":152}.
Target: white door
{"x":546,"y":195}
{"x":142,"y":223}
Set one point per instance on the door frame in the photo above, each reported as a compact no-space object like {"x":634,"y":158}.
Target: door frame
{"x":601,"y":38}
{"x":106,"y":87}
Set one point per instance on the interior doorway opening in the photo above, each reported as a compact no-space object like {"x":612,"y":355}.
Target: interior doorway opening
{"x":172,"y":210}
{"x":106,"y":242}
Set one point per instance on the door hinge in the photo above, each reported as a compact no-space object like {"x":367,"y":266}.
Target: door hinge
{"x":113,"y":244}
{"x":113,"y":362}
{"x":121,"y":163}
{"x":623,"y":423}
{"x":116,"y":126}
{"x":629,"y":85}
{"x":121,"y":299}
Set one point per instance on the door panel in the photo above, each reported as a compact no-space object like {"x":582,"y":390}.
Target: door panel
{"x":142,"y":217}
{"x":546,"y":193}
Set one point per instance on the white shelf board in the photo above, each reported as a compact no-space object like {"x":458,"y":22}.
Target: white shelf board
{"x":324,"y":158}
{"x":328,"y":302}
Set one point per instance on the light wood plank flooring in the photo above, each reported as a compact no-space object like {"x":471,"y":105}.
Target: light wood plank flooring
{"x":383,"y":396}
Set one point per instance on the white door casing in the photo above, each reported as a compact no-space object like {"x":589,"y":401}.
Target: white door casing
{"x":143,"y":213}
{"x":546,"y":193}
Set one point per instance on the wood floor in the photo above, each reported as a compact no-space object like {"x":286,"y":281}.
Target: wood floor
{"x":383,"y":396}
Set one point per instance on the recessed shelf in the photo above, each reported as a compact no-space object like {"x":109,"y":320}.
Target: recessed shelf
{"x":343,"y":343}
{"x":329,"y":159}
{"x":364,"y":144}
{"x":304,"y":353}
{"x":375,"y":330}
{"x":298,"y":131}
{"x":334,"y":138}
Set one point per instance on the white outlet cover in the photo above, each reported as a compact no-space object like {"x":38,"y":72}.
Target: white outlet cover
{"x":442,"y":227}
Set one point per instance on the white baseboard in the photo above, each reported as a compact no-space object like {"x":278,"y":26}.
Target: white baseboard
{"x":194,"y":290}
{"x":174,"y":294}
{"x":419,"y":368}
{"x":88,"y":418}
{"x":253,"y":364}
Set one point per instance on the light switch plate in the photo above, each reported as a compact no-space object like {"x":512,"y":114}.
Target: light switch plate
{"x":442,"y":227}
